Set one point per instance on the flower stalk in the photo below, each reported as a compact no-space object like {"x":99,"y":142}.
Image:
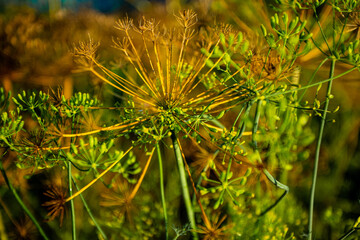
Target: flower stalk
{"x":162,"y":190}
{"x":317,"y":151}
{"x":184,"y":186}
{"x":90,"y":213}
{"x":72,"y":206}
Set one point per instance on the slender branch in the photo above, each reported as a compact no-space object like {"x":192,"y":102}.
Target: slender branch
{"x":347,"y":234}
{"x":140,"y":180}
{"x":256,"y":123}
{"x":184,"y":186}
{"x":97,"y":178}
{"x":277,"y":184}
{"x":313,"y":77}
{"x":89,"y":212}
{"x":72,"y":206}
{"x":314,"y":84}
{"x":317,"y":152}
{"x":342,"y":32}
{"x":321,"y":30}
{"x":355,"y":228}
{"x":162,"y":190}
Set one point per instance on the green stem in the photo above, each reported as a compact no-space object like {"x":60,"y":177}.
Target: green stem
{"x":333,"y":29}
{"x":238,"y":135}
{"x":316,"y":44}
{"x":312,"y":85}
{"x":317,"y":152}
{"x":277,"y":184}
{"x":184,"y":186}
{"x":322,"y":31}
{"x":89,"y":212}
{"x":355,"y":228}
{"x":256,"y":123}
{"x":23,"y":206}
{"x":199,"y":181}
{"x":347,"y":234}
{"x":342,"y":32}
{"x":72,"y":207}
{"x":162,"y":190}
{"x":312,"y":77}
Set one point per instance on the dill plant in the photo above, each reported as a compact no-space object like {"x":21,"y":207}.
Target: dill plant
{"x":163,"y":102}
{"x":184,"y":87}
{"x":331,"y":28}
{"x":332,"y":44}
{"x":336,"y":47}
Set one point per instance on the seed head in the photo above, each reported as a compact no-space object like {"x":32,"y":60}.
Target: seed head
{"x":85,"y":53}
{"x":354,"y":25}
{"x":56,"y":206}
{"x":187,"y":18}
{"x":124,"y":24}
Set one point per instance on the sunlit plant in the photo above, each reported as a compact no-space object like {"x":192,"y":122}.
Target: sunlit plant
{"x":230,"y":111}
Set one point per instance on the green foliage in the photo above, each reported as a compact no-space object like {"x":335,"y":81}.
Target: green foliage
{"x":10,"y":121}
{"x":298,"y":4}
{"x":35,"y":103}
{"x":350,"y":52}
{"x":225,"y":105}
{"x":226,"y":184}
{"x":12,"y":124}
{"x":76,"y":103}
{"x":95,"y":156}
{"x":277,"y":224}
{"x":286,"y":136}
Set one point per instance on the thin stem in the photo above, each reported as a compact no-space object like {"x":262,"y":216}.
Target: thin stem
{"x":342,"y":32}
{"x":23,"y":206}
{"x":347,"y":234}
{"x":200,"y":180}
{"x":322,"y":31}
{"x":317,"y":152}
{"x":184,"y":186}
{"x":97,"y":178}
{"x":162,"y":189}
{"x":89,"y":212}
{"x":312,"y":85}
{"x":141,"y":178}
{"x":316,"y":44}
{"x":204,"y":217}
{"x":333,"y":29}
{"x":352,"y":230}
{"x":277,"y":184}
{"x":72,"y":206}
{"x":312,"y":77}
{"x":256,"y":123}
